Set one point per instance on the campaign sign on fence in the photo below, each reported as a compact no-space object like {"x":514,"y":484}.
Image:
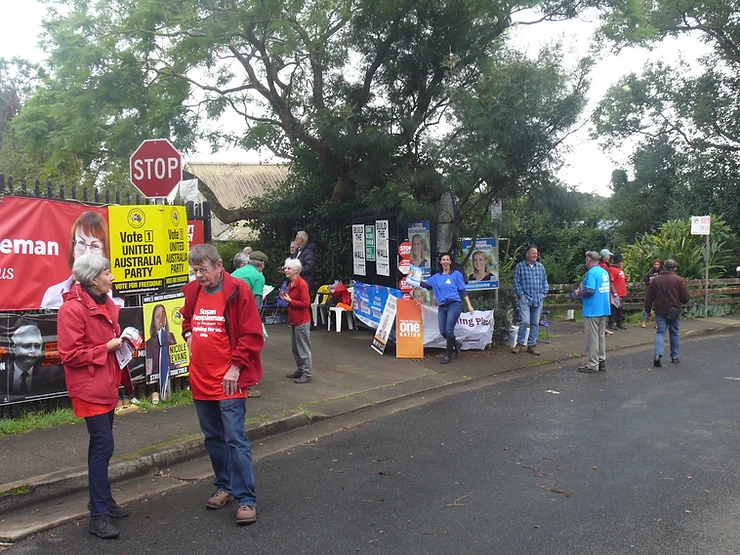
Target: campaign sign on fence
{"x":369,"y":301}
{"x":39,"y":241}
{"x":30,"y":368}
{"x":386,"y":325}
{"x":482,"y":264}
{"x":149,"y":248}
{"x":166,"y":351}
{"x":475,"y":331}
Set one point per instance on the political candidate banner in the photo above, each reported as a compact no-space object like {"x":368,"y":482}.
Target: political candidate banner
{"x":383,"y":332}
{"x":482,"y":264}
{"x":39,"y":241}
{"x":475,"y":331}
{"x":166,"y":351}
{"x":419,"y":237}
{"x":369,"y":301}
{"x":149,"y":248}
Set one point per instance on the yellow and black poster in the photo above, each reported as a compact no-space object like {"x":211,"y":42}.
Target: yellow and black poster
{"x":166,"y":351}
{"x":149,"y":248}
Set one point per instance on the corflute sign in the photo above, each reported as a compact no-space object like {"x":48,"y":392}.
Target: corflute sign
{"x":156,"y":168}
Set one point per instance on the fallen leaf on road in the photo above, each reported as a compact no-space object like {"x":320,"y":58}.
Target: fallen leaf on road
{"x":456,"y":502}
{"x":559,"y":492}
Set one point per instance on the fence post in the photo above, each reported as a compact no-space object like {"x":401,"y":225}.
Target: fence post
{"x":2,"y":184}
{"x":10,"y":185}
{"x":61,"y":192}
{"x":37,"y":189}
{"x":207,"y":232}
{"x":49,"y":190}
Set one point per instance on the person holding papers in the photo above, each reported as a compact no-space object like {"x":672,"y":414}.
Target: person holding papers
{"x":449,"y":290}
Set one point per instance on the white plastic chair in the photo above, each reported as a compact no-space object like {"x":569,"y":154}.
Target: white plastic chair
{"x":339,"y":314}
{"x":319,"y":306}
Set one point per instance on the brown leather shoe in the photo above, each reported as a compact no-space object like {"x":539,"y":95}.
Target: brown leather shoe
{"x":532,"y":351}
{"x":253,"y":393}
{"x":218,"y":499}
{"x":294,"y":375}
{"x":303,"y":379}
{"x":246,"y":514}
{"x":516,"y":349}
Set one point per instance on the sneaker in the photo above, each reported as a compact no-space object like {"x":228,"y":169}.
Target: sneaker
{"x":114,"y":509}
{"x":303,"y":379}
{"x":656,"y":361}
{"x":294,"y":375}
{"x":246,"y":514}
{"x":102,"y":527}
{"x":516,"y":349}
{"x":587,"y":370}
{"x":532,"y":351}
{"x":218,"y":499}
{"x":253,"y":393}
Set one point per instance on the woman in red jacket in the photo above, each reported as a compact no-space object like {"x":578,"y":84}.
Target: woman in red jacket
{"x":88,"y":336}
{"x":299,"y":318}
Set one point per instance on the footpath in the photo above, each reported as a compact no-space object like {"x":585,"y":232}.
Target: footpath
{"x":43,"y":467}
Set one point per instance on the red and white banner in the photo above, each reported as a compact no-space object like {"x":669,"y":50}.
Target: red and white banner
{"x":475,"y":331}
{"x":37,"y":248}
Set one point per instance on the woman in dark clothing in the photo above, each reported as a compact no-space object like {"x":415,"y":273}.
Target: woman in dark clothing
{"x":88,"y":337}
{"x":654,"y":271}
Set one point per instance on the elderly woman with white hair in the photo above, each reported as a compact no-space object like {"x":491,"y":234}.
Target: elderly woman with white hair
{"x":88,"y":336}
{"x":299,"y":318}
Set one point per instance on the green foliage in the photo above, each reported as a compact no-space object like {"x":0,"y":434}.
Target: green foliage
{"x":674,"y":240}
{"x":36,"y":421}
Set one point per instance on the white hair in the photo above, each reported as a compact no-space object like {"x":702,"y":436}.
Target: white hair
{"x":89,"y":266}
{"x":294,"y":264}
{"x":303,"y":235}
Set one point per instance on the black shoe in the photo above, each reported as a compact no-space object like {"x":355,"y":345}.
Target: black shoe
{"x":621,"y":327}
{"x":445,"y":359}
{"x":602,"y":365}
{"x":114,"y":509}
{"x":674,"y":359}
{"x":587,"y":370}
{"x":458,"y":346}
{"x":102,"y":527}
{"x":294,"y":375}
{"x":656,"y":361}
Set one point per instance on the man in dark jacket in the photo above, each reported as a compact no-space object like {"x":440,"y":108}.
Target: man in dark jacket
{"x":222,"y":327}
{"x":666,"y":291}
{"x":306,"y":253}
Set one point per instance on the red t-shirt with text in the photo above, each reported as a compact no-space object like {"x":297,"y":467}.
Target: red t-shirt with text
{"x":619,"y":279}
{"x":210,"y":349}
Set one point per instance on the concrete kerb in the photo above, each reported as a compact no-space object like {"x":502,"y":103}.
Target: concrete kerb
{"x":24,"y":493}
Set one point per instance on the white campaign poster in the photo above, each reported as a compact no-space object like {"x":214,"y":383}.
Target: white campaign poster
{"x":475,"y":331}
{"x":358,"y":249}
{"x":386,"y":325}
{"x":382,"y":248}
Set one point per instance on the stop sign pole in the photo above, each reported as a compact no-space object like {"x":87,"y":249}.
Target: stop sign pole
{"x":156,"y":168}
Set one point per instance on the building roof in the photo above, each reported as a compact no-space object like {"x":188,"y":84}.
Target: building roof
{"x":233,"y":183}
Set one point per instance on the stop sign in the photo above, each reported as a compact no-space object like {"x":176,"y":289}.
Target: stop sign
{"x":156,"y":168}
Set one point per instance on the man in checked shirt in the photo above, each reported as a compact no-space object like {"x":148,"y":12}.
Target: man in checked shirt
{"x":531,"y":287}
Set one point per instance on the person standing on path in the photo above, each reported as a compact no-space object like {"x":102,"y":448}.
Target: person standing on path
{"x":449,"y":290}
{"x":667,"y":292}
{"x":652,"y":274}
{"x":299,"y":318}
{"x":88,"y":337}
{"x":619,"y":286}
{"x":594,"y":292}
{"x":223,"y":330}
{"x":531,"y":288}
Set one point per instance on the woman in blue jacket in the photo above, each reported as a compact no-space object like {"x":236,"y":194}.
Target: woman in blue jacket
{"x":449,"y":290}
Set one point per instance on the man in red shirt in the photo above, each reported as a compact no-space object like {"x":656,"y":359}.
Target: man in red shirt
{"x":222,"y":327}
{"x":619,"y":290}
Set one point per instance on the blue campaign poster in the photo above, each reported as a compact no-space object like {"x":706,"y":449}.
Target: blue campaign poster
{"x":482,"y":264}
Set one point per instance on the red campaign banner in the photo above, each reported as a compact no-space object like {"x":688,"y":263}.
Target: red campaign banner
{"x":196,"y":233}
{"x":39,"y":239}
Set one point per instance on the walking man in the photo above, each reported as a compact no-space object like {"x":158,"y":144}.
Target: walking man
{"x":223,"y":330}
{"x":667,"y":292}
{"x":594,"y":292}
{"x":531,"y":287}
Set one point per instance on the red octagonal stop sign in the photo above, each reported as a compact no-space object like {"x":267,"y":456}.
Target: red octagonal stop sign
{"x":156,"y":168}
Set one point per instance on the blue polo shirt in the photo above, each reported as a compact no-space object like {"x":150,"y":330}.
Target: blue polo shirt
{"x":597,"y":304}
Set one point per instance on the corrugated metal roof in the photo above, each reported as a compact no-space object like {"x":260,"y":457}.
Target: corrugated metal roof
{"x":233,"y":183}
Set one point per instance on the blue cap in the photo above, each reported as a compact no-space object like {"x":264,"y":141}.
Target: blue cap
{"x":606,"y":252}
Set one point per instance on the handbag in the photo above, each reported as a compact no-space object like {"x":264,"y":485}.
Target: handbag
{"x":674,"y":312}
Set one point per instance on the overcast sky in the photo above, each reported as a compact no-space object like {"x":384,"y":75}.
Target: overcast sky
{"x":587,"y":167}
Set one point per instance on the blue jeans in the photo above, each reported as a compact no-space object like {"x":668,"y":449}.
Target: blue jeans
{"x":447,"y":317}
{"x":660,"y":335}
{"x":529,"y":315}
{"x":99,"y":452}
{"x":222,"y":423}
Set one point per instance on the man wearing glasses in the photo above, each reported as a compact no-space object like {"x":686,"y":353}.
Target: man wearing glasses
{"x":222,"y":327}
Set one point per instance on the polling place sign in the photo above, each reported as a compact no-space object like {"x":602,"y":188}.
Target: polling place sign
{"x":149,"y":248}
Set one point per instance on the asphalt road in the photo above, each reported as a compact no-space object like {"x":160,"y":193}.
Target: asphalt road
{"x":634,"y":460}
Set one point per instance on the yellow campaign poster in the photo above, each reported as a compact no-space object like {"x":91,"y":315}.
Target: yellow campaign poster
{"x":148,"y":247}
{"x":166,"y":350}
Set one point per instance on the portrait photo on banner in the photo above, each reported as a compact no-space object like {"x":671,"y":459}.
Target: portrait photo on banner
{"x":481,"y":266}
{"x":420,"y":239}
{"x":166,"y":350}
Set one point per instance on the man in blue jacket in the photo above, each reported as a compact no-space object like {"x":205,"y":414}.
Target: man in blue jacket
{"x":594,"y":292}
